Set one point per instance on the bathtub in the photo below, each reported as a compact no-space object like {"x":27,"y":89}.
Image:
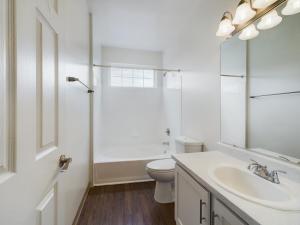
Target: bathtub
{"x":125,"y":164}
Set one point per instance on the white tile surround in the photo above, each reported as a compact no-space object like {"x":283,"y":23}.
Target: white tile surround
{"x":198,"y":165}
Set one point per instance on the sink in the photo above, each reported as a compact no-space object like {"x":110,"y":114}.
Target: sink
{"x":245,"y":184}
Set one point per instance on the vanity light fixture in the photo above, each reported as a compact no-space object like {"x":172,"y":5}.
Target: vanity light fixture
{"x":269,"y":21}
{"x":260,"y":4}
{"x":248,"y":33}
{"x":292,"y":7}
{"x":225,"y":26}
{"x":250,"y":11}
{"x":244,"y":12}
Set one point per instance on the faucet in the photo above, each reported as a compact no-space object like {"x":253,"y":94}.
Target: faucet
{"x":168,"y":131}
{"x":263,"y":172}
{"x":167,"y":143}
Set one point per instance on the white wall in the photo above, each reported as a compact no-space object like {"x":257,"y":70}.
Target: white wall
{"x":273,"y":68}
{"x":196,"y":50}
{"x":184,"y":30}
{"x":131,"y":56}
{"x":130,"y":116}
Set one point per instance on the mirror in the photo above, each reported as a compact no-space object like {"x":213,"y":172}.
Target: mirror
{"x":260,"y":91}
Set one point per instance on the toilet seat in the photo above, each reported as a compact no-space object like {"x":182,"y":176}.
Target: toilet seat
{"x":162,"y":166}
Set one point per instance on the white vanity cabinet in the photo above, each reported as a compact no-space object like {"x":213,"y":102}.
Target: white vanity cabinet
{"x":192,"y":204}
{"x":221,"y":215}
{"x":195,"y":205}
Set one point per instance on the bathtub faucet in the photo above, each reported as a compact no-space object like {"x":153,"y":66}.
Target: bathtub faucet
{"x":167,"y":143}
{"x":168,"y":131}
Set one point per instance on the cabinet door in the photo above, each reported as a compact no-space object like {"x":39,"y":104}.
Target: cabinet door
{"x":192,"y":201}
{"x":223,"y":216}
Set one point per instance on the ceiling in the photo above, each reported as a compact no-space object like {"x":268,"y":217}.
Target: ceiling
{"x":144,"y":24}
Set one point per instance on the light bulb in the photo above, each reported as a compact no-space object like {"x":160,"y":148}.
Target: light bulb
{"x":244,"y":13}
{"x":249,"y":33}
{"x":269,"y":21}
{"x":260,"y":4}
{"x":292,"y":7}
{"x":225,"y":26}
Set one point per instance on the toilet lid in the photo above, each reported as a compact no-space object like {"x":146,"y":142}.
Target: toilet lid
{"x":163,"y":165}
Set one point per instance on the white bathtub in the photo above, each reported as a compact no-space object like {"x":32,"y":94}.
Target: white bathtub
{"x":129,"y":153}
{"x":123,"y":164}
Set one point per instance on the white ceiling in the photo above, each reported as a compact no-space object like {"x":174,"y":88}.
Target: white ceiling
{"x":145,"y":24}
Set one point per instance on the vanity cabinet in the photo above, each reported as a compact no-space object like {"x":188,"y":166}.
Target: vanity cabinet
{"x":192,"y":205}
{"x":195,"y":205}
{"x":221,"y":215}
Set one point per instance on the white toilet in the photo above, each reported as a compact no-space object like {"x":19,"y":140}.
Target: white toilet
{"x":163,"y":171}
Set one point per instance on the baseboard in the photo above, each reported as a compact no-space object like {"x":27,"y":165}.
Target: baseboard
{"x":76,"y":219}
{"x":123,"y":182}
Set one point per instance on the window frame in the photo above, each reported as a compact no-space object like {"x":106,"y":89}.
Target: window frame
{"x":133,"y":67}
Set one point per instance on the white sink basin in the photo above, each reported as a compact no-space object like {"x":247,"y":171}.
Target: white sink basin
{"x":245,"y":184}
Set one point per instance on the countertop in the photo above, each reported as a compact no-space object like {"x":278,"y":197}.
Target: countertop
{"x":198,"y":166}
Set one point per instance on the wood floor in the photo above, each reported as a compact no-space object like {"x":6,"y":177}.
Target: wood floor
{"x":126,"y":204}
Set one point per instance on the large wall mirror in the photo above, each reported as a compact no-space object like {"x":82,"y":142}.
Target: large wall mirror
{"x":260,"y":80}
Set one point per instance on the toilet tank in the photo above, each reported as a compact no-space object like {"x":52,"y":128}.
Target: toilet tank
{"x":188,"y":145}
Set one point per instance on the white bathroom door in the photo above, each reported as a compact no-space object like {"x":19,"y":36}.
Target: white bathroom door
{"x":30,"y":196}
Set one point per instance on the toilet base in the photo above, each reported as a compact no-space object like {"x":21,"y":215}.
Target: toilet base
{"x":164,"y":192}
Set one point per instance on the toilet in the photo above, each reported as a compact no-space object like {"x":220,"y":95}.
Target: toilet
{"x":163,"y":170}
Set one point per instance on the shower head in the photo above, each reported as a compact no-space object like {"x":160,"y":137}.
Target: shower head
{"x":72,"y":79}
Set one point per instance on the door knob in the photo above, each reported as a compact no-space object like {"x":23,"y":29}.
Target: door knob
{"x":64,"y":162}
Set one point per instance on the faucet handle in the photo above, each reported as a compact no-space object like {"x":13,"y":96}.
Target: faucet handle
{"x":274,"y":175}
{"x":254,"y":162}
{"x":168,"y":131}
{"x":279,"y":171}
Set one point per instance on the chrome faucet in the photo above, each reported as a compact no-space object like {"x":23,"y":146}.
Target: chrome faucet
{"x":275,"y":177}
{"x":263,"y":172}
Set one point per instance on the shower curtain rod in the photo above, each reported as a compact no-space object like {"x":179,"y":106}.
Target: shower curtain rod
{"x":138,"y":68}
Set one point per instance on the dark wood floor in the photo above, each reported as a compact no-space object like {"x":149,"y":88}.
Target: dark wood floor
{"x":128,"y":204}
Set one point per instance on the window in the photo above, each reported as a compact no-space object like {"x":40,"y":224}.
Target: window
{"x":126,"y":77}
